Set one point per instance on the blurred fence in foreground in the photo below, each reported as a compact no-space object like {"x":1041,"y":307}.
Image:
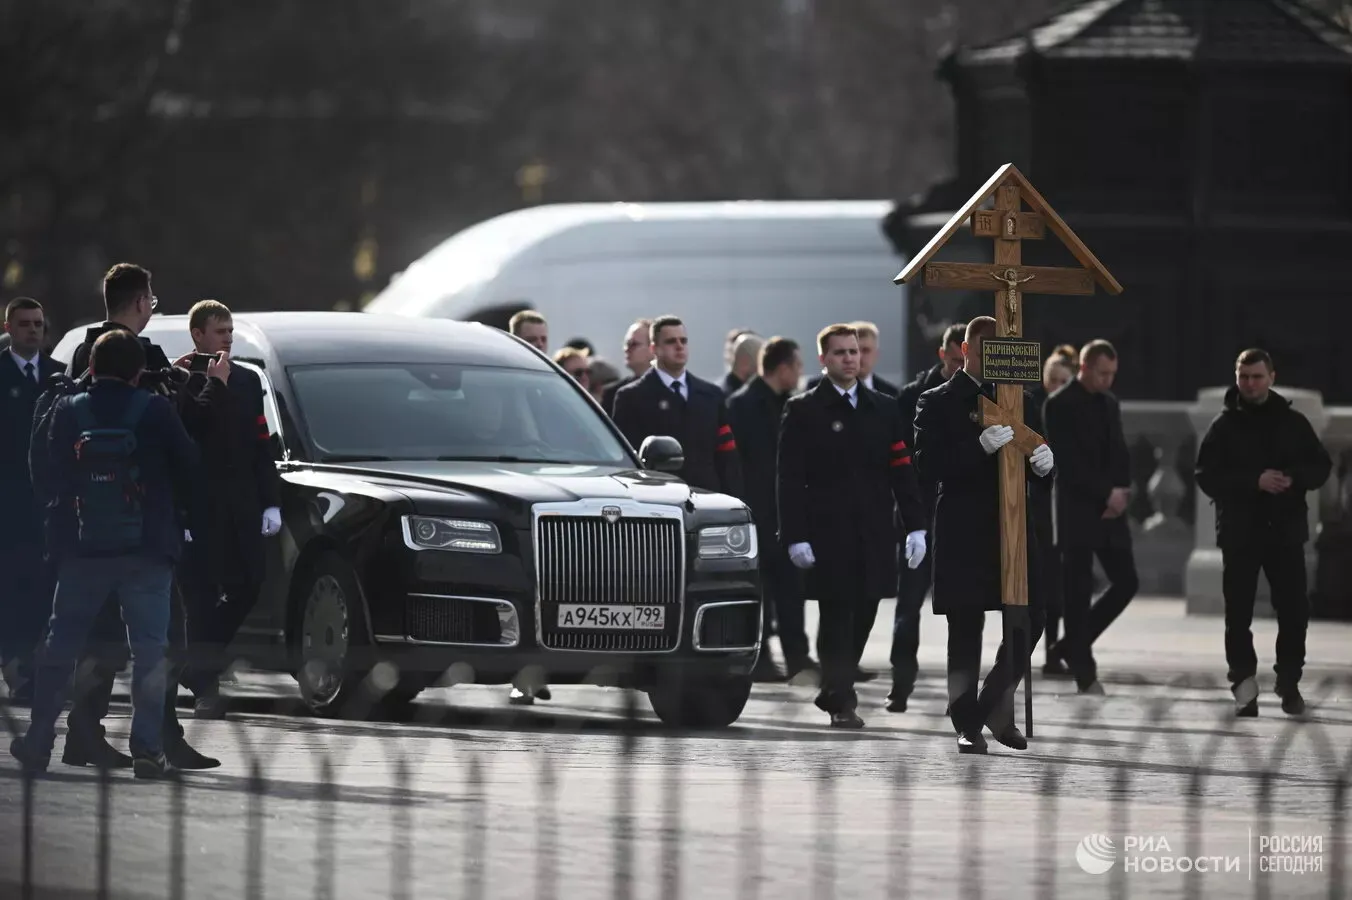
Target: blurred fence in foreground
{"x":517,"y":811}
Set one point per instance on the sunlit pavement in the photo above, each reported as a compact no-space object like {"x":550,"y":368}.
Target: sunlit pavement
{"x":479,"y":799}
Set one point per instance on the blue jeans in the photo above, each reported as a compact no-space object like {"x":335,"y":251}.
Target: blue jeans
{"x":83,"y":585}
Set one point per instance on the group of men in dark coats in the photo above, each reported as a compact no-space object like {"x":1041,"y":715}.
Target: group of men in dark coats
{"x":229,"y":509}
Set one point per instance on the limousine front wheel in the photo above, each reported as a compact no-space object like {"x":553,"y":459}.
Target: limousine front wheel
{"x":326,"y":637}
{"x":708,"y":702}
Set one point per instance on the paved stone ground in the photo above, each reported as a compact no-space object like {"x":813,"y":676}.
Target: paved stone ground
{"x":779,"y":807}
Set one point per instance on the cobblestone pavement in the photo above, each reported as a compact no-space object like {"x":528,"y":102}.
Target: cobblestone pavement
{"x":478,"y":799}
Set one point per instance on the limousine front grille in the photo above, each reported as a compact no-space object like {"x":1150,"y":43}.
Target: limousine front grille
{"x":632,"y":561}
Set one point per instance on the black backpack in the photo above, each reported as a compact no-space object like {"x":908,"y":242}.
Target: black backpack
{"x":109,"y":494}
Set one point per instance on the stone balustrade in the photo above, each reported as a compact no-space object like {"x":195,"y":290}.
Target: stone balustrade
{"x":1174,"y":526}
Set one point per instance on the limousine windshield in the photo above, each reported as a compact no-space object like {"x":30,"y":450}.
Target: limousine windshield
{"x":399,"y":411}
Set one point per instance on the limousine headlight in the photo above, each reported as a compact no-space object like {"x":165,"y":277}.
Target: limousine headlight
{"x":728,"y":542}
{"x":459,"y":535}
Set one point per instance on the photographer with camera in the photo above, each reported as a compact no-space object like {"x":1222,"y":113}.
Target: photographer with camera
{"x":130,"y":303}
{"x":117,"y":459}
{"x":222,"y":568}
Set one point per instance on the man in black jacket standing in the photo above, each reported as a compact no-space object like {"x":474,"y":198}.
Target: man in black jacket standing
{"x":669,"y":400}
{"x":844,"y":468}
{"x":914,"y":584}
{"x":223,"y":566}
{"x":26,"y":588}
{"x":129,"y":303}
{"x":1257,"y":462}
{"x":124,"y":539}
{"x":754,"y":412}
{"x":955,"y":452}
{"x":1084,"y":424}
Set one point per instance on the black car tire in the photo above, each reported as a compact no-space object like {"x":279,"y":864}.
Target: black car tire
{"x":700,"y":703}
{"x":327,"y":613}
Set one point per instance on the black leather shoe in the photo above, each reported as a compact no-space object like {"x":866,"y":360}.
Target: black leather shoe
{"x":210,"y":708}
{"x":971,"y":743}
{"x":181,"y":755}
{"x":1293,"y":704}
{"x":1055,"y":667}
{"x":153,"y":768}
{"x":896,"y":701}
{"x":97,"y":753}
{"x":32,"y":763}
{"x":1012,"y":738}
{"x":847,"y":719}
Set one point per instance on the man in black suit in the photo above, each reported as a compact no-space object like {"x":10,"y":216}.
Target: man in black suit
{"x":222,"y":568}
{"x":129,"y":302}
{"x":754,"y":413}
{"x":844,"y":468}
{"x":868,"y":358}
{"x":669,"y":400}
{"x":953,"y":451}
{"x":638,"y":358}
{"x":27,"y":583}
{"x":1084,"y":423}
{"x":914,"y":584}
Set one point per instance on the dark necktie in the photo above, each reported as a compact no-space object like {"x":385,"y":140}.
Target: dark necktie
{"x":28,"y":372}
{"x":676,"y":389}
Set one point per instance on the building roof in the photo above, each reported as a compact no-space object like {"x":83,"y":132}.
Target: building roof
{"x":1249,"y":31}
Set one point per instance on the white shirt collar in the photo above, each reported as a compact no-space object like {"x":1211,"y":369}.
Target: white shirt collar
{"x":868,"y":381}
{"x":668,"y":380}
{"x":852,"y":393}
{"x":21,"y":362}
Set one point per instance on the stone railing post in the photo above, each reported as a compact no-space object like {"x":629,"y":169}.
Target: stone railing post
{"x":1202,"y":582}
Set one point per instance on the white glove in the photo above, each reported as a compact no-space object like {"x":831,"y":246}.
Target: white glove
{"x":801,"y":556}
{"x":915,"y":549}
{"x":1042,"y":460}
{"x":995,"y":437}
{"x":272,"y":521}
{"x":187,"y":536}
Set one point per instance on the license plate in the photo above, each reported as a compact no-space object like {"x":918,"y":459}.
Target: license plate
{"x":612,"y":618}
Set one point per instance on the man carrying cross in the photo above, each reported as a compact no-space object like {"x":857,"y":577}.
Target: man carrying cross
{"x":954,"y":451}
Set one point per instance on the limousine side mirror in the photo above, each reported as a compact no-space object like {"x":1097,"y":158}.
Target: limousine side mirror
{"x":661,"y":453}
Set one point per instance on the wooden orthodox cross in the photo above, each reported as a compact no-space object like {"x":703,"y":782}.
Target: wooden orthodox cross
{"x":1008,"y":360}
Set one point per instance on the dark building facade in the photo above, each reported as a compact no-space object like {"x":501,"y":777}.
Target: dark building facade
{"x":1202,"y":149}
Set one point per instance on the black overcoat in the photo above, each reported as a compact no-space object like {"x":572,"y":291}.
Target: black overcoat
{"x":965,"y":542}
{"x":842,"y":471}
{"x":21,"y":523}
{"x":754,"y":412}
{"x":241,"y":478}
{"x":646,"y":407}
{"x":1085,"y":431}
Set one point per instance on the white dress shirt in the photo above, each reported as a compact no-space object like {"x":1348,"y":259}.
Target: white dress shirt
{"x":21,"y":362}
{"x":668,"y":380}
{"x":852,"y":394}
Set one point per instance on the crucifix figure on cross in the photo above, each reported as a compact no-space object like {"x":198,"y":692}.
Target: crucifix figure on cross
{"x":1010,"y":278}
{"x":1008,"y":361}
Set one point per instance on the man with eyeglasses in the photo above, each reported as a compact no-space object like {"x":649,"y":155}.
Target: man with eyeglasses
{"x":638,"y":357}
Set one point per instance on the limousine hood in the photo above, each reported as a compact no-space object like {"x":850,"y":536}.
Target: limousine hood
{"x":433,"y":485}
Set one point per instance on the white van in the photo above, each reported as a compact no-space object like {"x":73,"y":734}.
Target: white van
{"x":786,"y":268}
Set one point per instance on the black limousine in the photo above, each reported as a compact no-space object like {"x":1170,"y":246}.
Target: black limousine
{"x":455,"y":505}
